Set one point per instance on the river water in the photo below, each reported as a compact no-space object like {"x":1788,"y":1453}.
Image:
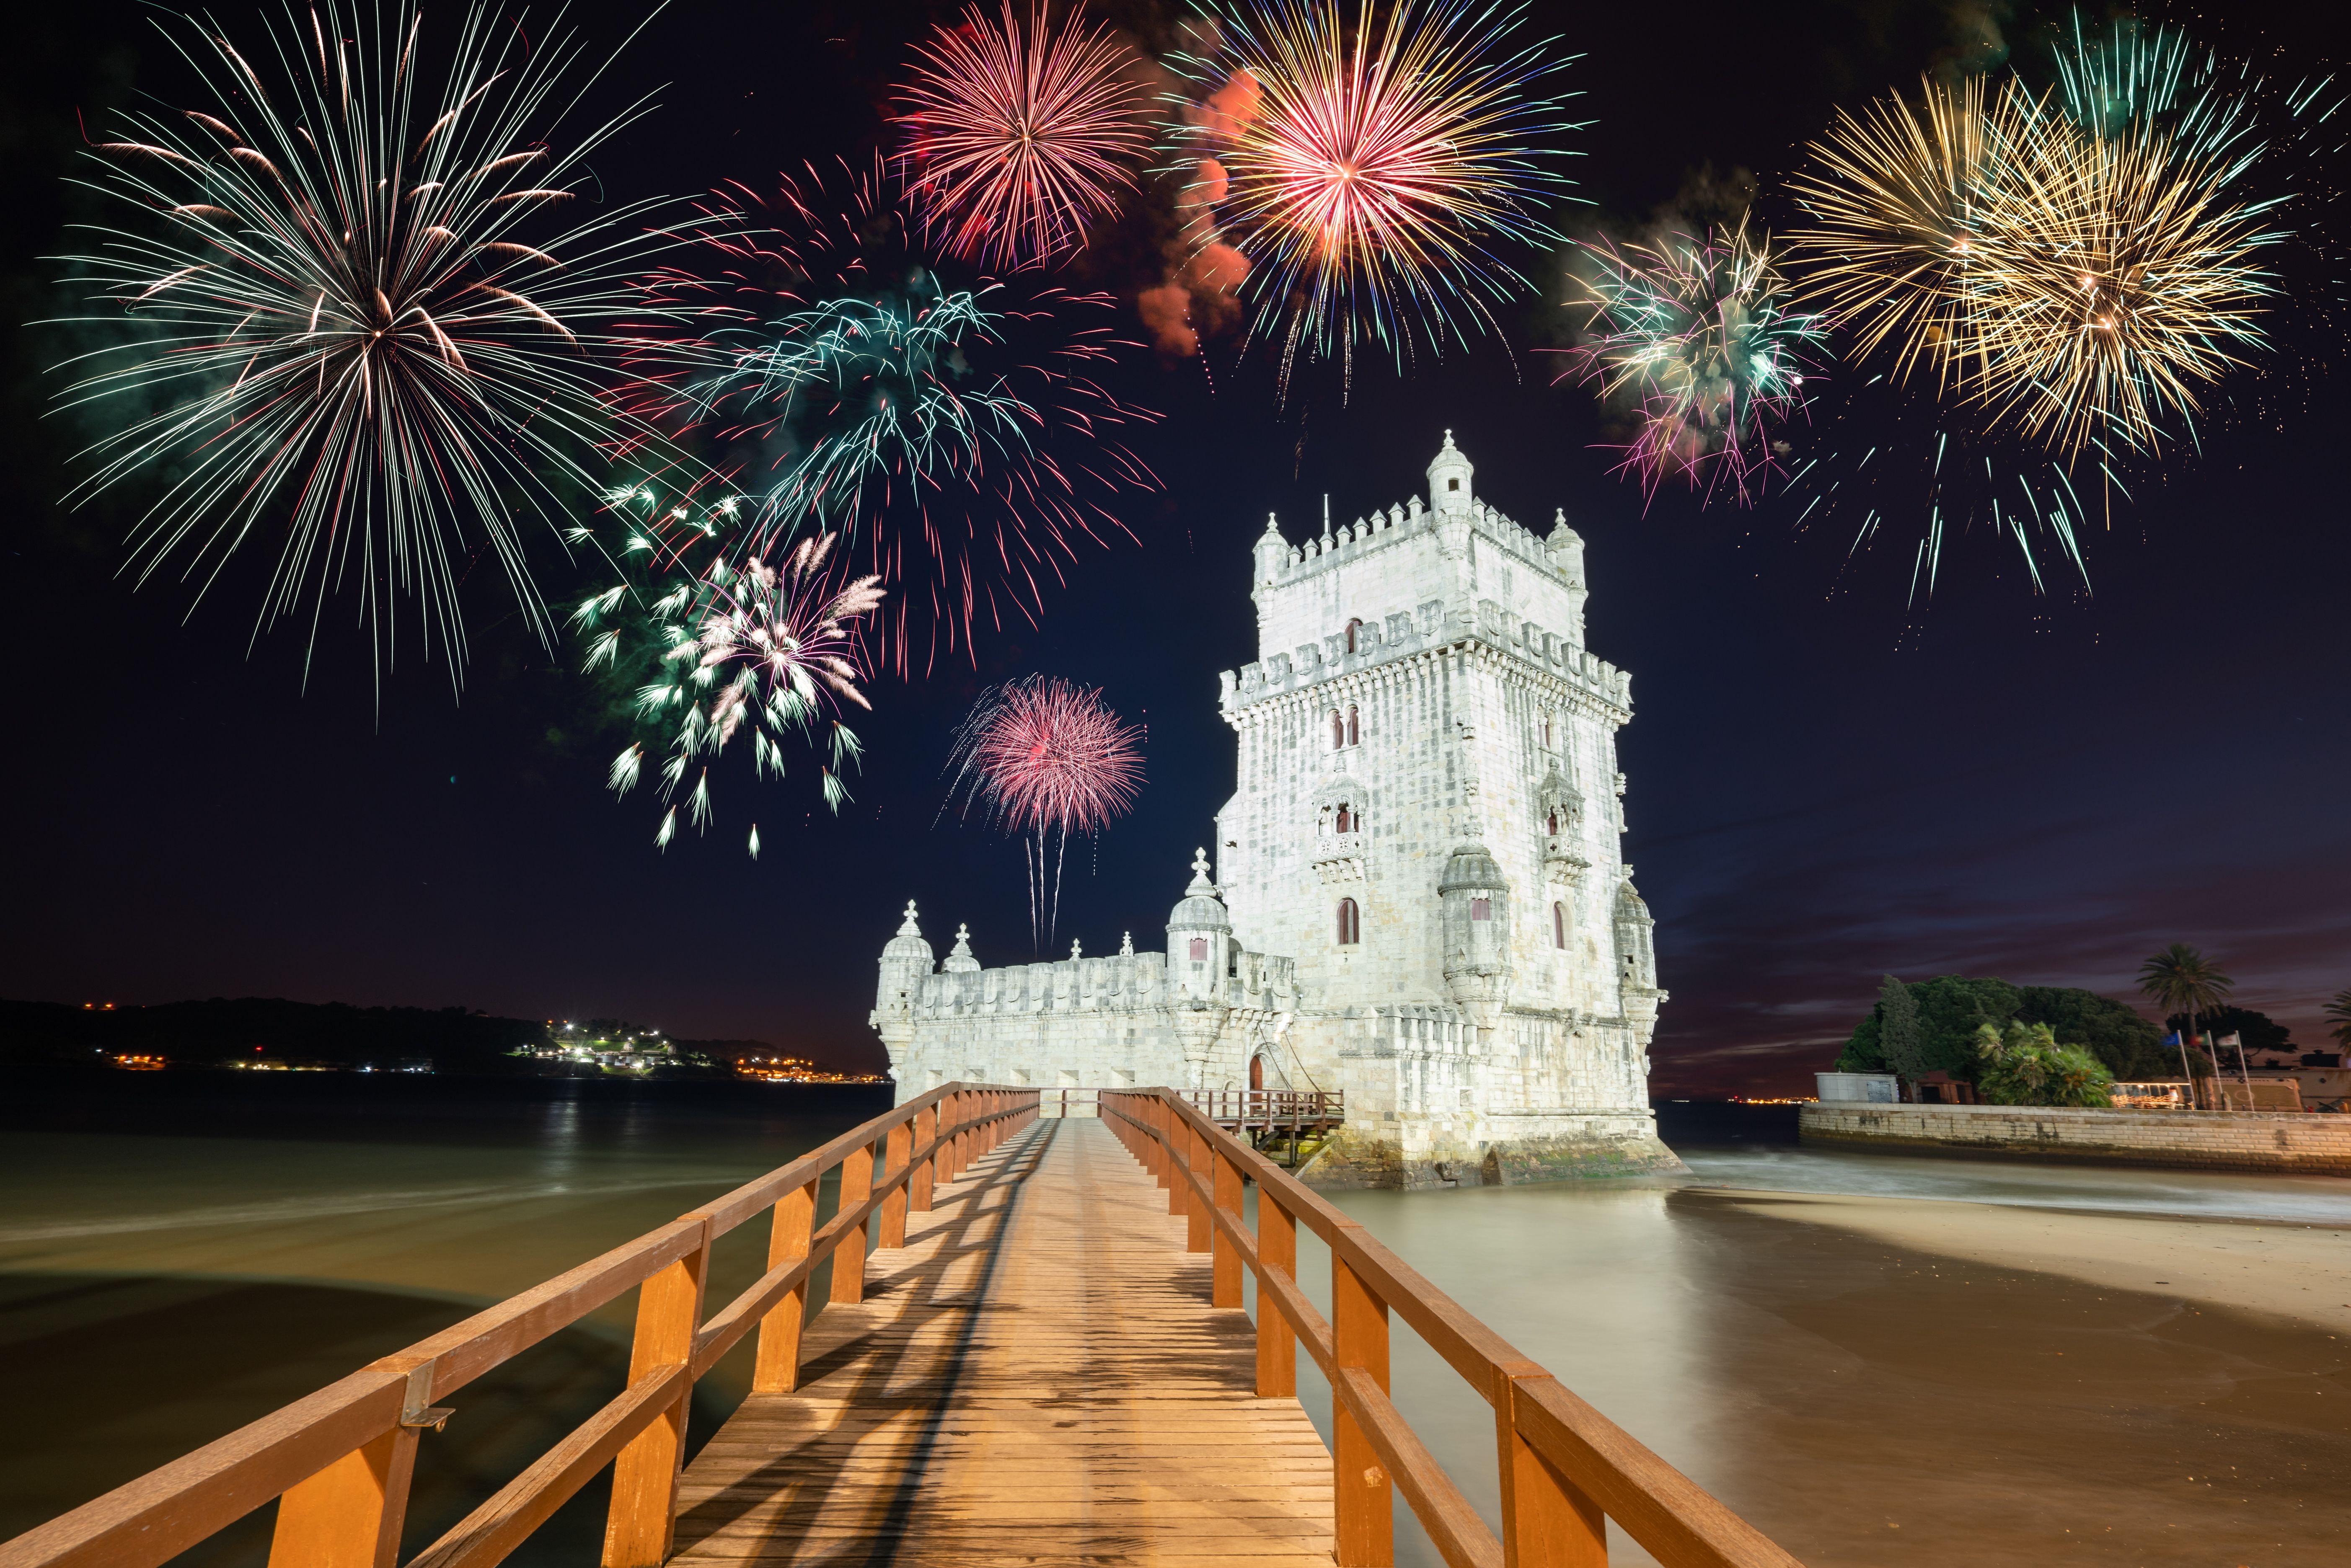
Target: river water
{"x":179,"y":1254}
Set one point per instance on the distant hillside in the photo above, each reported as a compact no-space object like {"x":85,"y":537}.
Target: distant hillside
{"x":207,"y":1033}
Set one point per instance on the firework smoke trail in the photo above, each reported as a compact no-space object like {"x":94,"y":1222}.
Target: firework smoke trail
{"x":713,"y":641}
{"x":1017,"y":138}
{"x":366,"y":326}
{"x":1699,"y":336}
{"x":1365,"y":162}
{"x":1046,"y":758}
{"x":843,"y":376}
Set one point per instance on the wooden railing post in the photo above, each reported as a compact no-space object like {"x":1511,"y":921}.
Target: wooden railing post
{"x":918,"y":1186}
{"x":900,"y":1142}
{"x":952,"y":1112}
{"x":1225,"y":1268}
{"x":1177,"y":1146}
{"x":1197,"y":1226}
{"x":849,"y":1257}
{"x":1548,"y":1521}
{"x":349,"y":1515}
{"x":1277,"y":1253}
{"x":638,"y":1531}
{"x":775,"y":1368}
{"x":1362,"y":1505}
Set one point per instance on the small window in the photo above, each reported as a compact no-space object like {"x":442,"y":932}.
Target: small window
{"x":1350,"y":926}
{"x":1346,"y":819}
{"x":1553,"y":821}
{"x":1351,"y":627}
{"x":1355,"y":729}
{"x":1453,"y":484}
{"x":1338,"y":730}
{"x":1559,"y":924}
{"x":1481,"y":909}
{"x":1546,"y":733}
{"x":1199,"y":949}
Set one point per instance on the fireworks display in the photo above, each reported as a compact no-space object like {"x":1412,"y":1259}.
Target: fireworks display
{"x":839,"y":373}
{"x":1365,"y":162}
{"x":1018,"y":138}
{"x":2064,"y":277}
{"x":369,"y":315}
{"x":2077,"y":271}
{"x":1046,"y":759}
{"x":713,"y":642}
{"x":1697,"y":339}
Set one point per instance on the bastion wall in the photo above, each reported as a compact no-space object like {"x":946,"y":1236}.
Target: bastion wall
{"x":2297,"y":1143}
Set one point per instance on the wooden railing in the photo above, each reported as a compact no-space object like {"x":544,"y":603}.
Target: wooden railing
{"x":1269,"y":1107}
{"x":1566,"y":1468}
{"x":340,"y":1460}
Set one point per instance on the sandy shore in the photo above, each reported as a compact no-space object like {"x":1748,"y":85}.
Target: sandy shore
{"x":2298,"y":1272}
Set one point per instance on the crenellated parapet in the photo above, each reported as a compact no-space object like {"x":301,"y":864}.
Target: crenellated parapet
{"x":1385,"y":643}
{"x":1121,"y":983}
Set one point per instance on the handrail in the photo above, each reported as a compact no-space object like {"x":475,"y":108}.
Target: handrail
{"x":1566,"y":1468}
{"x":340,"y":1459}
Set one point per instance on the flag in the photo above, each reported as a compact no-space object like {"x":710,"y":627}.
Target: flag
{"x":2172,"y":1039}
{"x":2230,"y":1040}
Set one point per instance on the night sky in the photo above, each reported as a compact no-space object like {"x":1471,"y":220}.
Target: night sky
{"x":1825,"y":784}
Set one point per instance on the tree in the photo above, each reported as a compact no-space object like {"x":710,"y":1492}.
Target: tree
{"x":2339,"y":1012}
{"x":1897,"y":1033}
{"x":2117,"y":1035}
{"x":2182,"y":980}
{"x":1951,"y":1007}
{"x":2024,"y":1065}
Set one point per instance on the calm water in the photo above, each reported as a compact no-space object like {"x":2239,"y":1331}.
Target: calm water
{"x":178,"y":1256}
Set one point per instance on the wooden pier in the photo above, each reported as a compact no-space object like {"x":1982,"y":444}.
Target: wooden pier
{"x":1042,"y":1360}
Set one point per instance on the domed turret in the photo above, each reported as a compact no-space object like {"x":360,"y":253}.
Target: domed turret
{"x":1199,"y":948}
{"x":1477,"y":923}
{"x":1272,"y":553}
{"x":1566,"y":548}
{"x":905,"y":959}
{"x":1448,"y":480}
{"x":960,"y":961}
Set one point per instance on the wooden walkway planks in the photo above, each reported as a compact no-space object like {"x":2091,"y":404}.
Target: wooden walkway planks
{"x":1037,"y":1377}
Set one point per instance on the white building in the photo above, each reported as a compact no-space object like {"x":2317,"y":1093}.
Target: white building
{"x":1419,"y":899}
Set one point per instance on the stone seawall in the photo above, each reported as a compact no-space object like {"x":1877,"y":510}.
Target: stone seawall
{"x":2302,"y":1144}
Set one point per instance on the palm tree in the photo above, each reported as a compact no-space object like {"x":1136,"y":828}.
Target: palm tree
{"x":2339,"y":1011}
{"x":2181,"y":979}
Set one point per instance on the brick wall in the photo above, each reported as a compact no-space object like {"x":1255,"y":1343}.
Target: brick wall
{"x":2304,"y":1144}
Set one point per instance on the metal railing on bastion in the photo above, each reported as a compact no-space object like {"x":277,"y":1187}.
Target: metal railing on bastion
{"x":1566,"y":1468}
{"x":339,"y":1461}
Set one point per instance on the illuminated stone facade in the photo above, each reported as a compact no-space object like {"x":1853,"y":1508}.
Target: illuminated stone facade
{"x":1418,"y":896}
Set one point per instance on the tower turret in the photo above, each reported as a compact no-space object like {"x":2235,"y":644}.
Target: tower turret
{"x":959,"y":961}
{"x":1199,"y":947}
{"x":905,"y":959}
{"x":1272,"y":553}
{"x":1566,"y":550}
{"x":1449,"y":472}
{"x":1476,"y":898}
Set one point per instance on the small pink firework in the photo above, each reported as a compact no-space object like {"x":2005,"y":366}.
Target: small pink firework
{"x":1017,"y":138}
{"x":1047,"y":758}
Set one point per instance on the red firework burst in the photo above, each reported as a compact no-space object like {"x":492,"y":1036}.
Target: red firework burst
{"x":1047,"y":758}
{"x":1017,"y":138}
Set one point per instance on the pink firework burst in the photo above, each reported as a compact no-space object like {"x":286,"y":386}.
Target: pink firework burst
{"x":1047,"y":758}
{"x":1018,"y":138}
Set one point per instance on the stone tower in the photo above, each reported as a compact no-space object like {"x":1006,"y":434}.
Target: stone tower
{"x":1418,"y":895}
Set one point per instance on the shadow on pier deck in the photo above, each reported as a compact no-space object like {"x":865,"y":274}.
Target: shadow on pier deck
{"x":1032,"y":1352}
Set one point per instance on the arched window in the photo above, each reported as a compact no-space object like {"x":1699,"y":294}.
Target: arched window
{"x":1199,"y":949}
{"x":1346,"y":819}
{"x":1546,"y":733}
{"x":1351,"y":923}
{"x":1481,"y":909}
{"x":1351,"y":625}
{"x":1338,"y":730}
{"x":1559,"y":924}
{"x":1553,"y":821}
{"x":1355,"y":729}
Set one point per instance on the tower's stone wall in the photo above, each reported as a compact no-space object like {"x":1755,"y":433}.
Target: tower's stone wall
{"x":1419,"y":896}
